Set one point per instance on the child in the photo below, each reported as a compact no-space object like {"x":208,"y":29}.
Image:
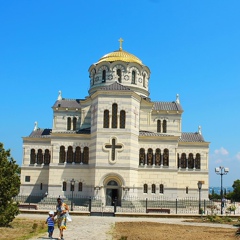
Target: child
{"x":50,"y":222}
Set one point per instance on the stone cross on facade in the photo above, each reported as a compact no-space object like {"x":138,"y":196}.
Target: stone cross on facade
{"x":113,"y":148}
{"x":136,"y":113}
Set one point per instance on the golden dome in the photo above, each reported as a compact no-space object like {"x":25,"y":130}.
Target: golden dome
{"x":120,"y":55}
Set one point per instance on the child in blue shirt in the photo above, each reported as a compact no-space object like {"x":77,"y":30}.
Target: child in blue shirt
{"x":50,"y":222}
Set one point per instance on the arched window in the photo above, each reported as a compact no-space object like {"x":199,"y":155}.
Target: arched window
{"x":74,"y":123}
{"x":85,"y":155}
{"x":190,"y":161}
{"x":32,"y":156}
{"x":150,"y":157}
{"x":41,"y":186}
{"x":114,"y":115}
{"x":145,"y":188}
{"x":62,"y":154}
{"x":64,"y":186}
{"x":164,"y":126}
{"x":133,"y":77}
{"x":39,"y":156}
{"x":153,"y":188}
{"x":68,"y":123}
{"x":46,"y":157}
{"x":159,"y":126}
{"x":158,"y":157}
{"x":104,"y":76}
{"x":161,"y":188}
{"x":144,"y":80}
{"x":80,"y":186}
{"x":106,"y":119}
{"x":70,"y":154}
{"x":198,"y":161}
{"x":122,"y":119}
{"x":119,"y":73}
{"x":142,"y":156}
{"x":183,"y":160}
{"x":166,"y":157}
{"x":78,"y":155}
{"x":186,"y":190}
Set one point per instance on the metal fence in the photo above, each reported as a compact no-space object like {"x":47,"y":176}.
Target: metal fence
{"x":131,"y":204}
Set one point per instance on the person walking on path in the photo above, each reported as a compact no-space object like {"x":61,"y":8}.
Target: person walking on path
{"x":50,"y":223}
{"x":61,"y":211}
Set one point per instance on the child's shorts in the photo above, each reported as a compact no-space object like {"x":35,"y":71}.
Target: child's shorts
{"x":50,"y":229}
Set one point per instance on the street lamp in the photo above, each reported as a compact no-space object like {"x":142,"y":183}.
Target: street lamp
{"x":72,"y":189}
{"x":199,"y":201}
{"x":221,"y":171}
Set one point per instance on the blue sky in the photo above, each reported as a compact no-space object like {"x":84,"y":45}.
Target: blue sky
{"x":191,"y":47}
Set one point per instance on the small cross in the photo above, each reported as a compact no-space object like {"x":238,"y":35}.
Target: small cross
{"x":121,"y":41}
{"x":136,"y":113}
{"x":113,"y":147}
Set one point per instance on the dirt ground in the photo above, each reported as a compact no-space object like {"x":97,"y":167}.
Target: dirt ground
{"x":155,"y":231}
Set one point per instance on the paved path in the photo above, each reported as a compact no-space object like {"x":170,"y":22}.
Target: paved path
{"x":92,"y":228}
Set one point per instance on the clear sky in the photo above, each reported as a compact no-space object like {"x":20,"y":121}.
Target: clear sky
{"x":192,"y":48}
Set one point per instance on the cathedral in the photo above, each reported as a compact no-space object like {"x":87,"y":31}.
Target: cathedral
{"x":116,"y":142}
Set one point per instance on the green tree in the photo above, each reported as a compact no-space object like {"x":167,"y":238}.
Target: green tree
{"x":236,"y":190}
{"x":9,"y":186}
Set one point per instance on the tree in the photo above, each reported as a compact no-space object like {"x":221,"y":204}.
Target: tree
{"x":236,"y":190}
{"x":9,"y":187}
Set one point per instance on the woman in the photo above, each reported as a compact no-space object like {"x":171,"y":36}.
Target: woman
{"x":61,"y":211}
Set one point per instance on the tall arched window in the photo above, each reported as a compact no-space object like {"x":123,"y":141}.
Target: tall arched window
{"x":119,"y":73}
{"x":85,"y":155}
{"x":158,"y":157}
{"x":133,"y":77}
{"x":164,"y":126}
{"x":144,"y":80}
{"x":62,"y":154}
{"x":114,"y":115}
{"x":41,"y":185}
{"x":64,"y":186}
{"x":32,"y":156}
{"x":183,"y":160}
{"x":145,"y":188}
{"x":80,"y":186}
{"x":69,"y":123}
{"x":70,"y":154}
{"x":74,"y":123}
{"x":39,"y":156}
{"x":104,"y":76}
{"x":161,"y":188}
{"x":159,"y":126}
{"x":153,"y":188}
{"x":122,"y":119}
{"x":142,"y":156}
{"x":198,"y":161}
{"x":46,"y":157}
{"x":78,"y":155}
{"x":166,"y":157}
{"x":150,"y":157}
{"x":106,"y":119}
{"x":186,"y":190}
{"x":190,"y":161}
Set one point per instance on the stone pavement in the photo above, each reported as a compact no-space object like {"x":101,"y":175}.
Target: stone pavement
{"x":92,"y":228}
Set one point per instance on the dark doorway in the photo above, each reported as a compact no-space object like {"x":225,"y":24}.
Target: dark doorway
{"x":111,"y":195}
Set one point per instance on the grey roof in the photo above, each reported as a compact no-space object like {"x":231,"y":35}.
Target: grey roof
{"x":67,"y":103}
{"x":81,"y":131}
{"x":41,"y":133}
{"x":116,"y":86}
{"x":191,"y":137}
{"x":152,"y":134}
{"x":167,"y":106}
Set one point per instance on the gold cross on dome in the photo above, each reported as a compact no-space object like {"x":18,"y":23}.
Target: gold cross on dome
{"x":121,"y":41}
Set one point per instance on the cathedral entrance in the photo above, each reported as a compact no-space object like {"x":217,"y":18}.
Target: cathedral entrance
{"x":113,"y":193}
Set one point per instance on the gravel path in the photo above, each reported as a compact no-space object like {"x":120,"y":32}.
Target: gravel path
{"x":93,"y":228}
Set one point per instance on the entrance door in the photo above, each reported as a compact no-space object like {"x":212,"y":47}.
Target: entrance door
{"x":111,"y":195}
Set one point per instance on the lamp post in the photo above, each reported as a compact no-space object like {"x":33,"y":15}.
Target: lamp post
{"x":221,"y":171}
{"x":72,"y":189}
{"x":199,"y":200}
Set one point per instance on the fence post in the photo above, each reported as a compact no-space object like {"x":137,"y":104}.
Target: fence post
{"x":146,"y":205}
{"x":115,"y":205}
{"x":90,"y":204}
{"x":176,"y":205}
{"x":204,"y":204}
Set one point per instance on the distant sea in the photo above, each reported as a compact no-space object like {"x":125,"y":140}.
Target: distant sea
{"x":218,"y":189}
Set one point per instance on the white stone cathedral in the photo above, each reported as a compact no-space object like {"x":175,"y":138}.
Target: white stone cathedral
{"x":116,"y":142}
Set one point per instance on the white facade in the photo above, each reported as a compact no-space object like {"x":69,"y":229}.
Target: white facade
{"x":116,"y":141}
